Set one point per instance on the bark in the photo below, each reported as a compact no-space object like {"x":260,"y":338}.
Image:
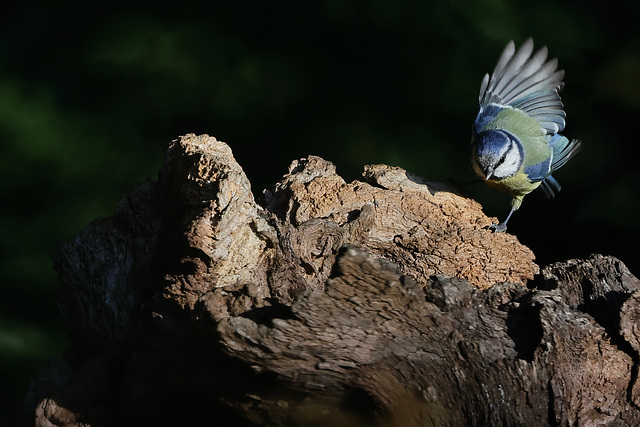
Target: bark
{"x":385,"y":301}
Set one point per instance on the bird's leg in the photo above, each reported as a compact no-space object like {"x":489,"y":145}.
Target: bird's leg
{"x":516,"y":201}
{"x":502,"y":227}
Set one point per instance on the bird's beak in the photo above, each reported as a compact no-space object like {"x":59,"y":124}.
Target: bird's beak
{"x":488,"y":175}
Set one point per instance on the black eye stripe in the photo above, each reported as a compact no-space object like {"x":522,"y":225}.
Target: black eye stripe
{"x":502,"y":158}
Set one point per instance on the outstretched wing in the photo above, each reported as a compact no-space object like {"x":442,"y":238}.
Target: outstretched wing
{"x":528,"y":82}
{"x":563,"y":150}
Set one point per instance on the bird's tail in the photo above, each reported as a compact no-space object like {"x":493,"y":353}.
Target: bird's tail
{"x":550,"y":186}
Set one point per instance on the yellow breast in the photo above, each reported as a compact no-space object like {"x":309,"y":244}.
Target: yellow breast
{"x":517,"y":185}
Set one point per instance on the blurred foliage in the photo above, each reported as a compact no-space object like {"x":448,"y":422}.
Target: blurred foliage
{"x":91,"y":94}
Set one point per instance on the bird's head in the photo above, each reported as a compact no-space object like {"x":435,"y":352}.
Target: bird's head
{"x":496,"y":154}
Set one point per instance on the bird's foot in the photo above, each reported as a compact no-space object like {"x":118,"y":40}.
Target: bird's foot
{"x":499,"y":228}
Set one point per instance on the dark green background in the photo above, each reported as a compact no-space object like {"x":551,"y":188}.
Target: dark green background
{"x":90,"y":97}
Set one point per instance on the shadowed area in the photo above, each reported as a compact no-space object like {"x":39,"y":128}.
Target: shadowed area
{"x":90,"y":97}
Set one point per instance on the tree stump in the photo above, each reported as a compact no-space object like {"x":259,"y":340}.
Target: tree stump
{"x":385,"y":301}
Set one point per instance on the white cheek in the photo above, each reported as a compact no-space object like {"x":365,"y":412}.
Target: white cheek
{"x":510,"y":165}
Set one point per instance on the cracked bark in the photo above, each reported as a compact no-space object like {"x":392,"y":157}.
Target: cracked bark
{"x":385,"y":301}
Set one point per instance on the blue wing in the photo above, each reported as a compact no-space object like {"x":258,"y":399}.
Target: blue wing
{"x":529,"y":83}
{"x":486,"y":114}
{"x":563,"y":150}
{"x":539,"y":171}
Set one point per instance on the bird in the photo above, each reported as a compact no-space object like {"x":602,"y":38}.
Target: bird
{"x":516,"y":144}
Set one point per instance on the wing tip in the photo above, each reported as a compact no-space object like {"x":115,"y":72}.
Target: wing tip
{"x":483,"y":87}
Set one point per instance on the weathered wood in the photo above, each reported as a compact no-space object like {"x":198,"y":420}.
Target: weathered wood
{"x":385,"y":301}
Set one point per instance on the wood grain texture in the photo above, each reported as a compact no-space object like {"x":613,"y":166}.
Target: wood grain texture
{"x":385,"y":301}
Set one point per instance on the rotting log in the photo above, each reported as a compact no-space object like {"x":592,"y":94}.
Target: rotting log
{"x":385,"y":301}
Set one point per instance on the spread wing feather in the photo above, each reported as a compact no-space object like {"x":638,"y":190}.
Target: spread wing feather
{"x":563,"y":150}
{"x":527,"y":81}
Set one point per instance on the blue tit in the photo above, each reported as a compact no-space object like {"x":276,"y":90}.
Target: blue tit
{"x":516,"y":145}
